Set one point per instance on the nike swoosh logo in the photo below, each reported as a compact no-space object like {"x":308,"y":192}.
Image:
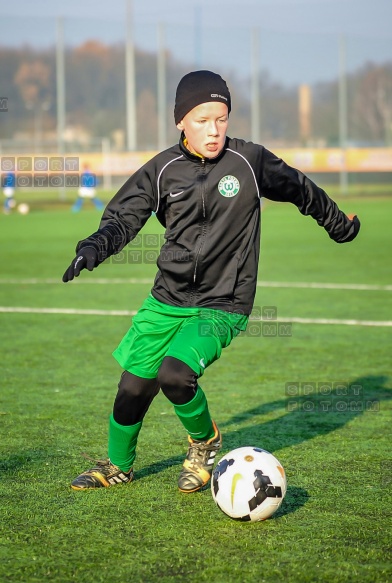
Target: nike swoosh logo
{"x":176,"y":194}
{"x":234,"y":483}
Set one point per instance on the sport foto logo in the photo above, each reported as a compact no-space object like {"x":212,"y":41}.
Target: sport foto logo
{"x":229,"y":186}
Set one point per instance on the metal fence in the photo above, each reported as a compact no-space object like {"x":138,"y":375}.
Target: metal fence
{"x":289,"y":90}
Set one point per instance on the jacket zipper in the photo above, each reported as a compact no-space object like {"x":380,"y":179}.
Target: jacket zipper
{"x":203,"y":232}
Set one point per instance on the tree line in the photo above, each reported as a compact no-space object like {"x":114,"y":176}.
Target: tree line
{"x":96,"y":94}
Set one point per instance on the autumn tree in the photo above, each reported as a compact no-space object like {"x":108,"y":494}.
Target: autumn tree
{"x":371,"y":111}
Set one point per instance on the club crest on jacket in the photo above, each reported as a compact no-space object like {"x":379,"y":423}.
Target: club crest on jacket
{"x":229,"y":186}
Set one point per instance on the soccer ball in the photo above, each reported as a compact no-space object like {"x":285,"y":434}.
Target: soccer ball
{"x":23,"y":208}
{"x":248,"y":484}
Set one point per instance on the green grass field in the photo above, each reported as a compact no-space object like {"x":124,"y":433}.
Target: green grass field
{"x":58,"y":382}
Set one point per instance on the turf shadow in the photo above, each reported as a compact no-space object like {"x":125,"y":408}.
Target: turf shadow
{"x":159,"y":466}
{"x":322,"y":409}
{"x":17,"y":461}
{"x":295,"y":498}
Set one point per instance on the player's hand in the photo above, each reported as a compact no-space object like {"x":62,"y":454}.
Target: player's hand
{"x":87,"y":258}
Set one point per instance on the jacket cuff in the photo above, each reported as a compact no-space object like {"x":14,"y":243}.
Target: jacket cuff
{"x":350,"y":234}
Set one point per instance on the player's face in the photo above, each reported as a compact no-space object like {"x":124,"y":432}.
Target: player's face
{"x":205,"y":128}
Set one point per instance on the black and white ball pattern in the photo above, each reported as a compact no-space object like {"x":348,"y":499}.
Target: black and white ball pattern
{"x":248,"y":484}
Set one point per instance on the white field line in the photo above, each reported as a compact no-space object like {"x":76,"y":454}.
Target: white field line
{"x":128,"y":313}
{"x":141,"y":281}
{"x":67,"y":311}
{"x":99,"y":281}
{"x":315,"y":285}
{"x":329,"y":321}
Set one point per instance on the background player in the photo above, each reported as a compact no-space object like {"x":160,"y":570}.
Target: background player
{"x":87,"y":190}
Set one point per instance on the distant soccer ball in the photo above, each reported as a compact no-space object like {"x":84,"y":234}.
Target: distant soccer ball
{"x":23,"y":208}
{"x":248,"y":484}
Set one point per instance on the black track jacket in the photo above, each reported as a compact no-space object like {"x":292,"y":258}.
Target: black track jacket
{"x":211,"y":212}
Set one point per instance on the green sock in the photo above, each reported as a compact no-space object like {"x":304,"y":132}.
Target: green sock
{"x":195,"y":417}
{"x":122,"y":443}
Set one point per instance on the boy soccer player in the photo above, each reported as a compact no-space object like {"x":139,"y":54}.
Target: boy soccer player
{"x":206,"y":192}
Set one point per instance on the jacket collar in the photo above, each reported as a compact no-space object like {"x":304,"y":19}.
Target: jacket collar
{"x":195,"y":158}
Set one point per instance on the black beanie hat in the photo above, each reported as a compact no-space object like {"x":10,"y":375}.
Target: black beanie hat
{"x":199,"y":87}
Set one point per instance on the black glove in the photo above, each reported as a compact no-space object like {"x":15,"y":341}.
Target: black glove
{"x":87,"y":257}
{"x":356,"y":224}
{"x":350,"y":228}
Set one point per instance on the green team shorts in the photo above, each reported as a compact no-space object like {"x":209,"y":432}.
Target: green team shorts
{"x":194,"y":335}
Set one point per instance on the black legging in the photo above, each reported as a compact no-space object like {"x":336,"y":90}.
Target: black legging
{"x":135,"y":394}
